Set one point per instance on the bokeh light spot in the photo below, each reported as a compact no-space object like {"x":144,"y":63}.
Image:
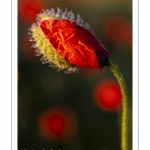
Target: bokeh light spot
{"x":119,"y":29}
{"x":58,"y":124}
{"x":107,"y":95}
{"x":28,"y":9}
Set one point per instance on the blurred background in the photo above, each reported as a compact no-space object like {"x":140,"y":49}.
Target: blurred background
{"x":80,"y":111}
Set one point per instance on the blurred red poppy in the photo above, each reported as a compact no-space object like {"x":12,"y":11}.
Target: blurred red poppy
{"x":119,"y":29}
{"x":58,"y":124}
{"x":107,"y":96}
{"x":27,"y":10}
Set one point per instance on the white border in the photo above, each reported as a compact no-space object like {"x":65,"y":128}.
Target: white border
{"x":5,"y":75}
{"x":135,"y":109}
{"x":5,"y":109}
{"x":144,"y":75}
{"x":14,"y":73}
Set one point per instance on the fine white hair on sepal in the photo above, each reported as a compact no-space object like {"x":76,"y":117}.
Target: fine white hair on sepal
{"x":59,"y":14}
{"x":78,"y":19}
{"x":72,"y":70}
{"x":47,"y":52}
{"x":71,"y":16}
{"x":52,"y":12}
{"x":64,"y":14}
{"x":87,"y":25}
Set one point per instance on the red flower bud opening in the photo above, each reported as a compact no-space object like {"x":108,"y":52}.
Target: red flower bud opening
{"x":67,"y":43}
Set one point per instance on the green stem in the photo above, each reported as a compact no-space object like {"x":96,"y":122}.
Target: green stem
{"x":124,"y":127}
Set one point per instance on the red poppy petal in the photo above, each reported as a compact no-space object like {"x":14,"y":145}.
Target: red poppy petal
{"x":74,"y":43}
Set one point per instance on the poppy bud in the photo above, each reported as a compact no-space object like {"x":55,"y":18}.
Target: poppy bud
{"x":65,"y":42}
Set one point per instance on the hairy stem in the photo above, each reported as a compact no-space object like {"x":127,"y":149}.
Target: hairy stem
{"x":124,"y":126}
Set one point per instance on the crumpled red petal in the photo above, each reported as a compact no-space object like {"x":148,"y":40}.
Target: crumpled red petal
{"x":74,"y":43}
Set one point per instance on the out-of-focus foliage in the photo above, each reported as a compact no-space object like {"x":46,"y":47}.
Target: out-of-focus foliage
{"x":42,"y":89}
